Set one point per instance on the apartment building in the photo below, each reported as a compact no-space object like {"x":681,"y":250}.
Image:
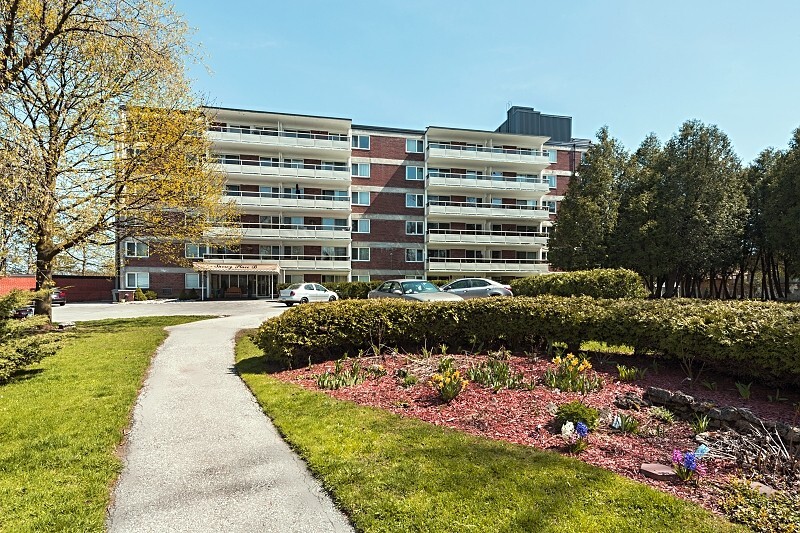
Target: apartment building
{"x":323,"y":199}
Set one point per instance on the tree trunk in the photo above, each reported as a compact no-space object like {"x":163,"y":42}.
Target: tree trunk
{"x":44,"y":278}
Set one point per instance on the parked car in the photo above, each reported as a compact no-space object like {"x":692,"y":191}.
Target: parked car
{"x":477,"y":288}
{"x":302,"y":293}
{"x":417,"y":290}
{"x":58,"y":296}
{"x":23,"y":312}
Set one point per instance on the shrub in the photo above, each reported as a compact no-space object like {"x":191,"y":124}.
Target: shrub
{"x":577,"y":411}
{"x":599,"y":283}
{"x":448,"y":383}
{"x":571,"y":375}
{"x":630,"y":373}
{"x":139,"y":295}
{"x":151,"y":295}
{"x":191,"y":294}
{"x":755,"y":340}
{"x":778,"y":512}
{"x":663,"y":414}
{"x":22,"y":342}
{"x":341,"y":376}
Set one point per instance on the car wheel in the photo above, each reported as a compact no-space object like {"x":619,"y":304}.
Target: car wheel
{"x":288,"y":304}
{"x":304,"y":300}
{"x":332,"y":299}
{"x":495,"y":294}
{"x":62,"y":304}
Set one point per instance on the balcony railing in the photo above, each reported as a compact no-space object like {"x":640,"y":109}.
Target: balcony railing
{"x":484,"y":149}
{"x":487,"y":209}
{"x":317,"y":262}
{"x":487,"y":237}
{"x":295,"y":231}
{"x":490,"y":233}
{"x":290,"y":200}
{"x":493,"y":178}
{"x":293,"y":172}
{"x":450,"y":264}
{"x":291,"y":134}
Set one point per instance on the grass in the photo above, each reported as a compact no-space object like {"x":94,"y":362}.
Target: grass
{"x":62,"y":420}
{"x":390,"y":473}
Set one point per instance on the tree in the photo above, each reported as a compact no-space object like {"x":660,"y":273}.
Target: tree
{"x":106,"y":141}
{"x":588,"y":214}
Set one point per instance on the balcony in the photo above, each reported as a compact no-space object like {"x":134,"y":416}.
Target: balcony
{"x":444,"y":153}
{"x":522,"y":267}
{"x":531,"y":186}
{"x":295,"y":231}
{"x":295,"y":141}
{"x":483,"y":237}
{"x":485,"y":210}
{"x":283,"y":201}
{"x":317,"y":174}
{"x":288,"y":262}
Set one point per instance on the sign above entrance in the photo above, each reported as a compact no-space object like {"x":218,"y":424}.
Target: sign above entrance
{"x":207,"y":266}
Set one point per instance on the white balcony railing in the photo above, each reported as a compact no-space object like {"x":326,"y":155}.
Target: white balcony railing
{"x":493,"y":183}
{"x":486,"y":210}
{"x":290,"y":201}
{"x":519,"y":238}
{"x":295,"y":231}
{"x":468,"y":265}
{"x":487,"y":153}
{"x":290,"y":172}
{"x":282,"y":138}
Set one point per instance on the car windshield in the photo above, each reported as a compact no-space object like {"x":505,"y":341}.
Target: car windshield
{"x":294,"y":286}
{"x":414,"y":287}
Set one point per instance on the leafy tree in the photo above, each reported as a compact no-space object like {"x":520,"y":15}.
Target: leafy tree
{"x":588,"y":214}
{"x":104,"y":139}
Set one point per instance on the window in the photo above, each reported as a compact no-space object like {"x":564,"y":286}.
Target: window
{"x":334,"y":252}
{"x":544,"y":255}
{"x":415,"y":228}
{"x":550,"y":205}
{"x":137,"y":249}
{"x":414,"y":173}
{"x":192,"y":281}
{"x":195,"y":251}
{"x":415,"y":200}
{"x":439,"y":225}
{"x":473,"y":254}
{"x":360,"y":198}
{"x":441,"y":254}
{"x":360,"y":170}
{"x":361,"y":225}
{"x":269,"y":252}
{"x":552,"y":155}
{"x":497,"y":201}
{"x":360,"y":254}
{"x":232,"y":190}
{"x":296,"y":222}
{"x":334,"y":223}
{"x":552,"y":180}
{"x":292,"y":251}
{"x":473,"y":200}
{"x":137,"y":280}
{"x":414,"y":146}
{"x":333,"y":165}
{"x":330,"y":278}
{"x":361,"y":142}
{"x":414,"y":255}
{"x":293,"y":163}
{"x":364,"y":277}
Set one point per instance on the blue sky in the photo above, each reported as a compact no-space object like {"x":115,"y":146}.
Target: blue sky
{"x":635,"y":66}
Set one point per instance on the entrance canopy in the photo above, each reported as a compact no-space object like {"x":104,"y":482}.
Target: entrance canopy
{"x":246,"y":268}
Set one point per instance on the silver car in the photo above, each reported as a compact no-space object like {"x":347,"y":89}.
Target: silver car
{"x":417,"y":290}
{"x":477,"y":288}
{"x":302,"y":293}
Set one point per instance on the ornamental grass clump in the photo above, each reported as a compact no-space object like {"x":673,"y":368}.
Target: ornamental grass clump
{"x":496,"y":375}
{"x":341,"y":376}
{"x":687,"y":465}
{"x":571,"y":375}
{"x":448,"y":382}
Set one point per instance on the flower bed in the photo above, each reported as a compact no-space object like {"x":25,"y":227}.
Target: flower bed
{"x":526,"y":414}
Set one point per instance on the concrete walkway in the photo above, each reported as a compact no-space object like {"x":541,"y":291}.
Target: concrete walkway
{"x":201,"y":455}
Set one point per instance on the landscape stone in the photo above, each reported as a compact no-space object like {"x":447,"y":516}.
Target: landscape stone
{"x":726,"y":414}
{"x":761,"y":488}
{"x":657,"y":471}
{"x":657,"y":395}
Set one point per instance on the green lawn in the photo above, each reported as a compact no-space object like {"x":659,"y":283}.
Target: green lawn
{"x":393,"y":474}
{"x":61,"y":421}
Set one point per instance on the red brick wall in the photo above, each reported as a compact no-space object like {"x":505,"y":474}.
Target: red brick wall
{"x":387,"y":148}
{"x":387,"y":231}
{"x":388,"y":203}
{"x":387,"y":259}
{"x":79,"y":288}
{"x":23,"y":283}
{"x":382,"y":175}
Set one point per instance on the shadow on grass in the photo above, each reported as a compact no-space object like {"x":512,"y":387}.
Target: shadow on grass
{"x":24,"y":375}
{"x":114,"y":324}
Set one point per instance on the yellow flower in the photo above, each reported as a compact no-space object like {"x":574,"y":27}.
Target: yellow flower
{"x":557,"y":360}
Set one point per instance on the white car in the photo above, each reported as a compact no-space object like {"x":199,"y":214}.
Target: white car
{"x":302,"y":293}
{"x":477,"y":288}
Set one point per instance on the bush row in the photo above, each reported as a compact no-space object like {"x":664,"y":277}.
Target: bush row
{"x":21,"y":341}
{"x":599,"y":283}
{"x":760,"y":340}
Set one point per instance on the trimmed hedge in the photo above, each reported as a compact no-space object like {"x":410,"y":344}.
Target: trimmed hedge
{"x":22,"y":342}
{"x":759,"y":340}
{"x":599,"y":283}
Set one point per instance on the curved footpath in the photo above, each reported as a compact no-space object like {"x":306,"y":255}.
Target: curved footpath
{"x":201,"y":455}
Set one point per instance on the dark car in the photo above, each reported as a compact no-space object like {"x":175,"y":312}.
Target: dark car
{"x":418,"y":290}
{"x":23,"y":312}
{"x":58,"y":297}
{"x":477,"y":288}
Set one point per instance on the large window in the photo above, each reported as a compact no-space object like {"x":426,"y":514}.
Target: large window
{"x":415,"y":200}
{"x":196,"y":251}
{"x":360,"y":170}
{"x":550,"y":205}
{"x":360,"y":198}
{"x":137,"y":249}
{"x":361,"y":225}
{"x":360,"y":142}
{"x":414,"y":255}
{"x":364,"y":277}
{"x":414,"y":174}
{"x":415,"y":228}
{"x":334,"y":252}
{"x":552,"y":155}
{"x":137,"y":280}
{"x":360,"y":254}
{"x":552,"y":180}
{"x":414,"y":146}
{"x":192,"y":281}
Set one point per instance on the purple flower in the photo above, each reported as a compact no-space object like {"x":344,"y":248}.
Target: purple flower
{"x":677,"y":456}
{"x":581,"y":430}
{"x":689,"y":461}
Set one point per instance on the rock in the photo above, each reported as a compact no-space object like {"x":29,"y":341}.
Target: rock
{"x":788,"y":433}
{"x":702,"y":406}
{"x":66,"y":325}
{"x":725,"y":414}
{"x":747,"y":414}
{"x":657,"y":471}
{"x":761,"y":488}
{"x":657,"y":395}
{"x":681,"y":398}
{"x":630,"y":401}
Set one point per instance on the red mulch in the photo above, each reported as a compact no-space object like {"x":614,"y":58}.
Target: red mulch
{"x":524,"y":417}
